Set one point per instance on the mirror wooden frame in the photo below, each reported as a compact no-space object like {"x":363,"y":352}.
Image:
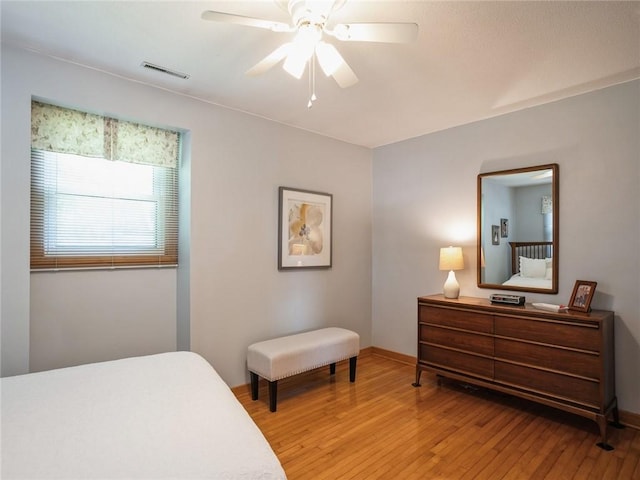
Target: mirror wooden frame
{"x":555,"y":246}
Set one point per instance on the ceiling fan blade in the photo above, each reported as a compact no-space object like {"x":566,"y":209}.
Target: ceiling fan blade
{"x":270,"y":60}
{"x":248,"y":21}
{"x":375,"y":32}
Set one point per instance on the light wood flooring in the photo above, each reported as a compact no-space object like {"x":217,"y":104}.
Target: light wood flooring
{"x":380,"y":427}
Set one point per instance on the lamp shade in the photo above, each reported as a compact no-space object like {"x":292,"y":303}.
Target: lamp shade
{"x":451,"y":258}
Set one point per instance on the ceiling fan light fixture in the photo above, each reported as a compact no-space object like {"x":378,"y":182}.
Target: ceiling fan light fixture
{"x":315,"y":11}
{"x":308,"y":36}
{"x":328,"y":58}
{"x":344,"y":76}
{"x":295,"y":63}
{"x":304,"y":45}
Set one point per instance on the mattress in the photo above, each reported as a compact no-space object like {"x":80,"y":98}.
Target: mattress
{"x":153,"y":417}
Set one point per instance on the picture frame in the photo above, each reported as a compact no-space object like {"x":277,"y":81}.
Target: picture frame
{"x":504,"y":227}
{"x":495,"y":235}
{"x":582,"y":294}
{"x":305,"y":220}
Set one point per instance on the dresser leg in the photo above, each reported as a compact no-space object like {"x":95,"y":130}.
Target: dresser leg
{"x":602,"y":425}
{"x":616,"y":417}
{"x":417,"y":382}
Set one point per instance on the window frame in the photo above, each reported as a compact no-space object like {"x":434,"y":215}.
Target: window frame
{"x":168,"y":228}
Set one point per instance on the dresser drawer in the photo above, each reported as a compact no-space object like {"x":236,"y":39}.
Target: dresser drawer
{"x":583,"y":336}
{"x":461,"y":340}
{"x":577,"y":363}
{"x":456,"y":361}
{"x":549,"y":383}
{"x":476,"y":322}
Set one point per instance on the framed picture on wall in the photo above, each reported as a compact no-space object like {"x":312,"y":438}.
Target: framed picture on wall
{"x":495,"y":235}
{"x":582,"y":294}
{"x":304,"y":229}
{"x":504,"y":227}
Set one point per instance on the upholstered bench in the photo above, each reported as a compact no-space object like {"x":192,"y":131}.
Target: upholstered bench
{"x":286,"y":356}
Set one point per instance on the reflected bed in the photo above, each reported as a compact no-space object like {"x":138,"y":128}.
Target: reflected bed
{"x":531,"y":265}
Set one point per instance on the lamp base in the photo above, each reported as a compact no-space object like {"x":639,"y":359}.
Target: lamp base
{"x":451,"y":286}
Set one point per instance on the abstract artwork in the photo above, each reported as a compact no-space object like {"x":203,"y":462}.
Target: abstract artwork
{"x":304,"y":229}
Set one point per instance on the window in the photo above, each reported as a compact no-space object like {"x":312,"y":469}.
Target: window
{"x":92,"y":211}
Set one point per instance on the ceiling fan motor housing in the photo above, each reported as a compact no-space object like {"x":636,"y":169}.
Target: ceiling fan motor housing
{"x":305,"y":12}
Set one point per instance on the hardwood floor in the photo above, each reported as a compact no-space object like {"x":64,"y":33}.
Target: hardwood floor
{"x":382,"y":427}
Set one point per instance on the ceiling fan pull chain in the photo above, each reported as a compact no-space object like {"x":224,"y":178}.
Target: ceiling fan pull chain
{"x":310,"y":102}
{"x":313,"y":94}
{"x":312,"y":81}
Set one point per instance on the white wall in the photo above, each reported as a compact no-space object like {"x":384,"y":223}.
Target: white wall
{"x":83,"y":317}
{"x":234,"y":291}
{"x":498,"y":202}
{"x":529,"y":207}
{"x":424,"y":197}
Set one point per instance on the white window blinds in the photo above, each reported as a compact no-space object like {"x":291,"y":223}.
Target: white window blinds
{"x":103,"y":191}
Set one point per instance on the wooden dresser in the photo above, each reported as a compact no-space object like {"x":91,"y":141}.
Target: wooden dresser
{"x":564,"y":360}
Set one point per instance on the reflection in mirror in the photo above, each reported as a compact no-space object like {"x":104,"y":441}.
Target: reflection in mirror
{"x":518,"y":229}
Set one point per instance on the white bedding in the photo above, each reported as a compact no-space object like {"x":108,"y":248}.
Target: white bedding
{"x":532,"y":282}
{"x":160,"y":416}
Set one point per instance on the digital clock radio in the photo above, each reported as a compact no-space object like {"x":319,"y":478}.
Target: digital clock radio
{"x":507,"y":299}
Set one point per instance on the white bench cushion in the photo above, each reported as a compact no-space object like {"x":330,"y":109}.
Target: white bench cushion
{"x":285,"y":356}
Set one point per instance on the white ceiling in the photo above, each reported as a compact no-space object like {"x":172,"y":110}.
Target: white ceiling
{"x":471,"y":61}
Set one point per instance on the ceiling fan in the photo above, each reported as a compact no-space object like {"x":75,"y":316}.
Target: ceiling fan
{"x":309,"y":22}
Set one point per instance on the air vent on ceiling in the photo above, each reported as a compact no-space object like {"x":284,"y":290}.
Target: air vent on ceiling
{"x":158,"y":68}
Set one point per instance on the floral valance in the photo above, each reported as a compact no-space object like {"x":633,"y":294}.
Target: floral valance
{"x":63,"y":130}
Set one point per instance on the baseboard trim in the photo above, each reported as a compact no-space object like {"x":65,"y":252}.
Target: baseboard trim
{"x":398,"y":357}
{"x":240,"y":389}
{"x":630,"y":419}
{"x":366,"y":351}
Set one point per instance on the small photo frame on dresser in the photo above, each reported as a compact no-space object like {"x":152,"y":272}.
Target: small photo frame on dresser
{"x":582,"y":294}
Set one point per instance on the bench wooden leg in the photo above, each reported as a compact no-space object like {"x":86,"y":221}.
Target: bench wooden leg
{"x":332,"y":369}
{"x":352,"y":369}
{"x":254,"y":385}
{"x":273,"y":395}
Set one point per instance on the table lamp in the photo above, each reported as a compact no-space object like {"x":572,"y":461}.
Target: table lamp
{"x":451,"y":259}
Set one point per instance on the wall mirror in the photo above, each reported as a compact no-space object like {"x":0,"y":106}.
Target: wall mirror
{"x":518,"y":229}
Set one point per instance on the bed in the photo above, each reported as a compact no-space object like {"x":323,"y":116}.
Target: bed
{"x":531,"y":265}
{"x":159,"y":416}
